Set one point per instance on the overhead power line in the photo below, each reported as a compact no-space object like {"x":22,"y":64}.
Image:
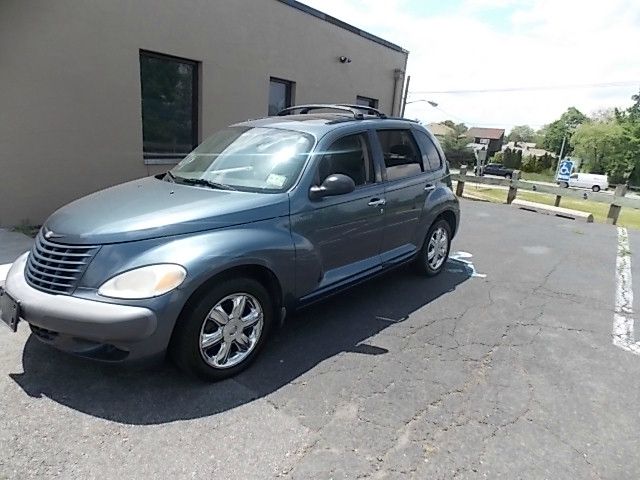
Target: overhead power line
{"x":530,"y":89}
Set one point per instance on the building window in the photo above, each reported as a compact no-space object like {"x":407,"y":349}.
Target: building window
{"x":169,"y":107}
{"x":280,"y":95}
{"x":367,"y":102}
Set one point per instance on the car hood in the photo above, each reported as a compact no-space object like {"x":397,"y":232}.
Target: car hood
{"x":150,"y":208}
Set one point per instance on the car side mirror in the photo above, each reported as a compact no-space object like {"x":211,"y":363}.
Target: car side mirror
{"x":336,"y":184}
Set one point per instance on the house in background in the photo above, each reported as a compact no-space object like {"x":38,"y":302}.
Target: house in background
{"x":493,"y":138}
{"x":528,"y":148}
{"x":439,"y":130}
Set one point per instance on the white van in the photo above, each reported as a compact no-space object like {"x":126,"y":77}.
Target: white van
{"x":587,"y":180}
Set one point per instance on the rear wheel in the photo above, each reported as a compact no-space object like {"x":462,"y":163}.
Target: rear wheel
{"x":595,"y":188}
{"x":221,"y":331}
{"x":564,"y":184}
{"x":435,"y":250}
{"x":507,"y":176}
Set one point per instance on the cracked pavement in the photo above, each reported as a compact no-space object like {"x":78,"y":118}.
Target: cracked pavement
{"x":509,"y":376}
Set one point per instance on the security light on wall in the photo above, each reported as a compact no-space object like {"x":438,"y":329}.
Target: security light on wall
{"x":344,"y":59}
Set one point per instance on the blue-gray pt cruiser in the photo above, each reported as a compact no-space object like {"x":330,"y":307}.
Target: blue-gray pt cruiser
{"x":264,"y":217}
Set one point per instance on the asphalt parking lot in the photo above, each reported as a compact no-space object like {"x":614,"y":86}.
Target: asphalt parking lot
{"x":502,"y":367}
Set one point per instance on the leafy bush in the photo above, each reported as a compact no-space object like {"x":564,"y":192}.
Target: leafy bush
{"x":498,"y":157}
{"x":530,"y":164}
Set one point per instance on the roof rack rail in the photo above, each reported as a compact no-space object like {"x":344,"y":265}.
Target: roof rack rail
{"x":366,"y":108}
{"x":356,"y":110}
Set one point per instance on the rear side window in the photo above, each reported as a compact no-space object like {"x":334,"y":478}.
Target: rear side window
{"x":430,"y":155}
{"x":401,"y":155}
{"x":349,"y":156}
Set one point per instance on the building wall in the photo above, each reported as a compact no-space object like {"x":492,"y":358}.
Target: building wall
{"x":70,"y":97}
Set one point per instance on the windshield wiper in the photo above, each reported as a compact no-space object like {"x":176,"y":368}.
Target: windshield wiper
{"x":205,"y":183}
{"x":171,"y":176}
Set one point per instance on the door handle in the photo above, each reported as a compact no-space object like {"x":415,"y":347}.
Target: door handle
{"x":376,"y":202}
{"x":430,"y":188}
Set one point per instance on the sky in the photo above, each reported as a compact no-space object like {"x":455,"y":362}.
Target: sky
{"x":555,"y":46}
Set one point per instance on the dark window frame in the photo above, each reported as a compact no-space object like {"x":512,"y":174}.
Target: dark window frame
{"x":371,"y":102}
{"x":290,"y":86}
{"x":168,"y":159}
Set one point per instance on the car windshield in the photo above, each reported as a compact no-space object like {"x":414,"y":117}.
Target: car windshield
{"x":248,"y":159}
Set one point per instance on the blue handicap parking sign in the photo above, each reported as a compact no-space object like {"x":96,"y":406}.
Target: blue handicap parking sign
{"x":564,"y":170}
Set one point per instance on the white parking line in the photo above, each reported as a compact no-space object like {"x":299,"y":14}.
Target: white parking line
{"x":623,"y":335}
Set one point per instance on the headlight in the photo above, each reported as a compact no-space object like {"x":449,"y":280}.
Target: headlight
{"x":144,"y":282}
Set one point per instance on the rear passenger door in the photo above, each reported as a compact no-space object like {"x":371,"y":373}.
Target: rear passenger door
{"x":406,"y":182}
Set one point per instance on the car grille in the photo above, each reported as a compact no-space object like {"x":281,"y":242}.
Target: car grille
{"x":56,"y":267}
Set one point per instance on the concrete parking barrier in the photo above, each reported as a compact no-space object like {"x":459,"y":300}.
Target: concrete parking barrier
{"x":551,"y":210}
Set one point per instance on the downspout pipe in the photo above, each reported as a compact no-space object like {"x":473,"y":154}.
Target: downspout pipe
{"x":398,"y":74}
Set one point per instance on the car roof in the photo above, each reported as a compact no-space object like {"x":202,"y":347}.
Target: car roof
{"x":318,"y":124}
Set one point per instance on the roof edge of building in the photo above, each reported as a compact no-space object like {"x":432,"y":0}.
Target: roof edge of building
{"x":344,"y":25}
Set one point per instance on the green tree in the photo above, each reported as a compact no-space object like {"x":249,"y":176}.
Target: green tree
{"x":498,"y":157}
{"x":604,"y":148}
{"x":459,"y":128}
{"x":545,"y":162}
{"x":555,"y":132}
{"x":629,"y":159}
{"x":530,"y":164}
{"x":518,"y":160}
{"x":456,"y":151}
{"x":521,"y":133}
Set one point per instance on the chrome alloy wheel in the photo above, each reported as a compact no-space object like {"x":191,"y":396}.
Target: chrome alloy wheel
{"x":231,"y":330}
{"x":438,"y":247}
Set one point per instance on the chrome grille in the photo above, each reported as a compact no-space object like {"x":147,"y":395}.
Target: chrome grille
{"x":55,"y":267}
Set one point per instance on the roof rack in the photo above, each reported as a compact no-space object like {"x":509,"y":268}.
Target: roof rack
{"x":358,"y":111}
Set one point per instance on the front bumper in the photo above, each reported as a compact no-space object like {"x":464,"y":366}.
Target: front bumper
{"x":86,"y":327}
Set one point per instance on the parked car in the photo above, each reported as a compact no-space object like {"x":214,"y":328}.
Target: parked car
{"x":495,"y":169}
{"x":263,"y":218}
{"x":587,"y":180}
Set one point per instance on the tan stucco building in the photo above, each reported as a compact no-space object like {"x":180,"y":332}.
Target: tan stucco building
{"x":74,"y":74}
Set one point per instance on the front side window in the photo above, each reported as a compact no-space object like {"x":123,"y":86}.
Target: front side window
{"x":169,"y":106}
{"x":280,"y":95}
{"x":401,"y":155}
{"x":248,"y":159}
{"x":349,"y":156}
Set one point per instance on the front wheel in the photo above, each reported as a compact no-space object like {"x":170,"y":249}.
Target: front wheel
{"x":221,"y":331}
{"x":507,"y":176}
{"x":564,"y":184}
{"x":595,"y":188}
{"x":435,"y":250}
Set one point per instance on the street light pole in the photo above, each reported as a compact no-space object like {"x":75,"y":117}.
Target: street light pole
{"x":564,"y":139}
{"x":430,"y":102}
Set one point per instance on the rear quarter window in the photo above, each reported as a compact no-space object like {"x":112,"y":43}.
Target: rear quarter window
{"x":430,"y":156}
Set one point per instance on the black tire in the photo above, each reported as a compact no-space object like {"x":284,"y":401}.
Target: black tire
{"x":184,"y":347}
{"x":595,"y":188}
{"x":564,"y":184}
{"x":421,"y":263}
{"x":508,"y":176}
